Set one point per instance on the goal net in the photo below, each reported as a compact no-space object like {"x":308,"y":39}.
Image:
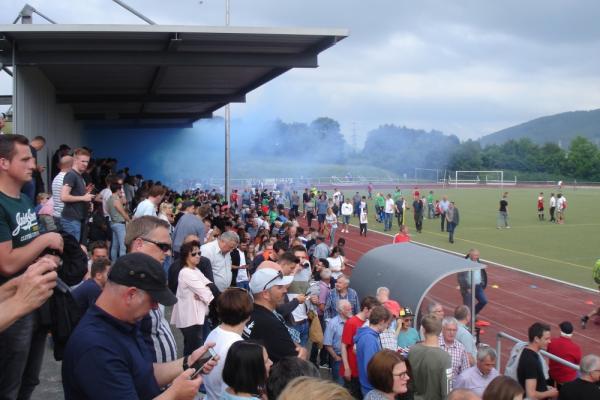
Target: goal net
{"x":428,"y":175}
{"x":495,"y":178}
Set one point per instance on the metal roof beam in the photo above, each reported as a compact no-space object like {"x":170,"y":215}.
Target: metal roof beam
{"x":147,"y":116}
{"x":91,"y":98}
{"x":168,"y":59}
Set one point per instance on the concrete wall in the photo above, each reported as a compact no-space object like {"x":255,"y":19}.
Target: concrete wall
{"x":36,"y":113}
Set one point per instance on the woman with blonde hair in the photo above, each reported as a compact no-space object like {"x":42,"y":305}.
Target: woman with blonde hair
{"x":305,"y":387}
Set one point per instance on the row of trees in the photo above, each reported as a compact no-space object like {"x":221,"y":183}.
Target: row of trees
{"x":399,"y":149}
{"x":580,"y":161}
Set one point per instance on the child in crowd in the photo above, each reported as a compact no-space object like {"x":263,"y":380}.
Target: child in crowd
{"x":363,"y":221}
{"x":44,"y":209}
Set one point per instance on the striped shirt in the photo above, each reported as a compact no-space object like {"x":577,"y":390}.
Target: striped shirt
{"x":57,"y":184}
{"x":158,"y":336}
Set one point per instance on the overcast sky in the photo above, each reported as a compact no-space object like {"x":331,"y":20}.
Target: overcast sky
{"x":463,"y":67}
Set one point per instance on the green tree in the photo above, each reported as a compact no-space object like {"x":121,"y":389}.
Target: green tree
{"x":583,"y":159}
{"x":466,"y":157}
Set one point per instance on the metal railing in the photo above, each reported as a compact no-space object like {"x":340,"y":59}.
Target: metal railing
{"x":504,"y":335}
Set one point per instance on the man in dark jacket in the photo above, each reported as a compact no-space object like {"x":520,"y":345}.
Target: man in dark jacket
{"x":452,"y":219}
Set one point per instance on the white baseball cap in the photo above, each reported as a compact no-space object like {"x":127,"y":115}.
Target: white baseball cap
{"x":266,"y":278}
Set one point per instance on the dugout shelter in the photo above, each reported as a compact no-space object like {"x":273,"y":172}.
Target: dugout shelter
{"x":409,"y":270}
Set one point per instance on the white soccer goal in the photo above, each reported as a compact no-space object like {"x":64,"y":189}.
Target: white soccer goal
{"x":495,"y":178}
{"x":428,"y":175}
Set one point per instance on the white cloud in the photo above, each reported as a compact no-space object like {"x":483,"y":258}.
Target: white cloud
{"x":467,"y":67}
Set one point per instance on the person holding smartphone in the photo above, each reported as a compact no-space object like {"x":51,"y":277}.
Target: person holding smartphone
{"x":106,"y":356}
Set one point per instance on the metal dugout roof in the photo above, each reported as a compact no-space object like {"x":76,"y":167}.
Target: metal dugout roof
{"x":408,"y":270}
{"x":159,"y":73}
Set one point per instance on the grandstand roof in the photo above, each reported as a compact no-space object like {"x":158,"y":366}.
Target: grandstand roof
{"x":174,"y":74}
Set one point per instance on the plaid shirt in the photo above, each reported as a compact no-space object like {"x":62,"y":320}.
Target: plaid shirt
{"x":389,"y":340}
{"x":334,"y":297}
{"x":460,"y":362}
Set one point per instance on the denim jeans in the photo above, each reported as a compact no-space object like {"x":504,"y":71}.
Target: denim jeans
{"x":502,"y":219}
{"x":21,"y":356}
{"x":479,"y":295}
{"x":332,"y":236}
{"x":302,"y":327}
{"x":72,"y":227}
{"x":387,"y":221}
{"x":117,"y":247}
{"x":335,"y":372}
{"x":450,"y":227}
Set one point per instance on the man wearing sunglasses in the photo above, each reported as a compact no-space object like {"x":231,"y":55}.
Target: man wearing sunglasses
{"x":150,"y":235}
{"x":269,"y":286}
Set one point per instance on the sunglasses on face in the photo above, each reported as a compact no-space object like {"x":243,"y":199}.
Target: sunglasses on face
{"x":278,"y":276}
{"x":194,"y":254}
{"x":164,"y":247}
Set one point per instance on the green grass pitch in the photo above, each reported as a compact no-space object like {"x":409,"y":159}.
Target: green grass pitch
{"x":566,"y":252}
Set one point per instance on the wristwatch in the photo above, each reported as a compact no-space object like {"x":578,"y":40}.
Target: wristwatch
{"x":185,"y":363}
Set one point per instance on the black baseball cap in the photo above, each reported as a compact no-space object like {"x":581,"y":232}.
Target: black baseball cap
{"x":143,"y":272}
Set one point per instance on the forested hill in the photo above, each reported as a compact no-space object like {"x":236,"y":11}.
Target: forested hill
{"x":559,"y":129}
{"x":401,"y":149}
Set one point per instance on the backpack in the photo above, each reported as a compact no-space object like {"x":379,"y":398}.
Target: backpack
{"x":74,"y":261}
{"x":65,"y":314}
{"x":513,"y":360}
{"x":596,"y":272}
{"x":64,"y":311}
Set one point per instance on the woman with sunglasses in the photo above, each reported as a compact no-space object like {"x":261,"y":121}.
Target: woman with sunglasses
{"x":406,"y":334}
{"x":388,"y":374}
{"x":193,"y":298}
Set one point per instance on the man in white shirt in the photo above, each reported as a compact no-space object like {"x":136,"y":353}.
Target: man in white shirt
{"x":561,"y":205}
{"x":218,"y":252}
{"x":389,"y":213}
{"x":347,"y":210}
{"x":479,"y":376}
{"x":65,"y":164}
{"x":552,"y":207}
{"x":105,"y":193}
{"x":148,"y":206}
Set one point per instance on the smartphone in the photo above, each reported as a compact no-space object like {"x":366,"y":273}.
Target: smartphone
{"x":199,"y":364}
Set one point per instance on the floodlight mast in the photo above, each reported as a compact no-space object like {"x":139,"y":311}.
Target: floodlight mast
{"x":135,"y":12}
{"x":26,"y":15}
{"x":227,"y":127}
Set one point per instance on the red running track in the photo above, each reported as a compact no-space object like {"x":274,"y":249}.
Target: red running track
{"x":519,"y":299}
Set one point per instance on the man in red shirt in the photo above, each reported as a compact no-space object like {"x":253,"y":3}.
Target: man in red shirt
{"x":566,"y":349}
{"x":540,"y":206}
{"x":349,"y":367}
{"x":402,"y":236}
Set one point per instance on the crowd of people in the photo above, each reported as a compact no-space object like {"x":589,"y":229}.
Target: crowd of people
{"x":261,"y":298}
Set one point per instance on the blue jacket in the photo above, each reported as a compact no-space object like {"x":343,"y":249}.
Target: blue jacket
{"x":367,"y":344}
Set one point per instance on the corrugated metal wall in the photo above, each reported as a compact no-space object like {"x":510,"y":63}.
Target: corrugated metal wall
{"x":36,"y":113}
